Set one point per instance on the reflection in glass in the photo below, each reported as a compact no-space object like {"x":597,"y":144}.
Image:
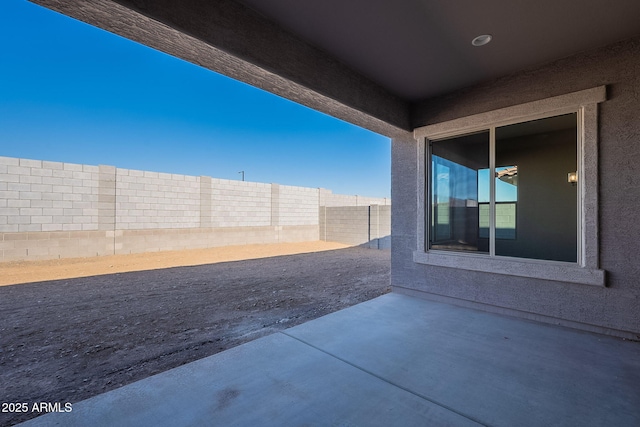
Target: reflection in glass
{"x":455,"y":189}
{"x":506,"y":203}
{"x":545,"y":227}
{"x":524,"y":186}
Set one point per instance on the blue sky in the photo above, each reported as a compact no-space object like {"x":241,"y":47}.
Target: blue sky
{"x":73,"y":93}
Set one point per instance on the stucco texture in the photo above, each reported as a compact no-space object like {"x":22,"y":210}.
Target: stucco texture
{"x":611,"y":309}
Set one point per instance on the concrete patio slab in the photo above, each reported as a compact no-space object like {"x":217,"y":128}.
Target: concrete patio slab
{"x":394,"y":360}
{"x":492,"y":368}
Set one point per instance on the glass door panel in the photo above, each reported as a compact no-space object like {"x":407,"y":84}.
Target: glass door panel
{"x":456,"y":188}
{"x":536,"y":206}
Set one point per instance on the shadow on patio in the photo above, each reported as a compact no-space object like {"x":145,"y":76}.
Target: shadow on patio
{"x":394,"y":360}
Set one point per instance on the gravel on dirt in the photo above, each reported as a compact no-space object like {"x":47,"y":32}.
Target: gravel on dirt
{"x":69,"y":339}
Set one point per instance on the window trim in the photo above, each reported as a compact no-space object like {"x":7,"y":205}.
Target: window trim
{"x":586,"y":270}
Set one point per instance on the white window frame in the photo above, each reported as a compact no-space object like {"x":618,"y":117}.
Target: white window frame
{"x":586,"y":270}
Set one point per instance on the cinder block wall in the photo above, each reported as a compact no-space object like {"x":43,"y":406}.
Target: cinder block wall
{"x":369,"y":226}
{"x":152,"y":200}
{"x":298,"y":205}
{"x":50,"y":210}
{"x":327,"y":198}
{"x":38,"y":196}
{"x":57,"y":210}
{"x":239,"y":204}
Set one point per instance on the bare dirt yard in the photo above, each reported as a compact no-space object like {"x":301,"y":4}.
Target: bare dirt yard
{"x":77,"y":328}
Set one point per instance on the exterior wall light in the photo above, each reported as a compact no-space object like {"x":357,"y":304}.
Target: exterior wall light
{"x":572,"y":178}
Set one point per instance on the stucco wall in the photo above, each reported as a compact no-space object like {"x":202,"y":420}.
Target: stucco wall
{"x":611,"y":309}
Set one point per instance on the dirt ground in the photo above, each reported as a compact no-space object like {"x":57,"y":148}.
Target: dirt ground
{"x":108,"y":321}
{"x":37,"y":271}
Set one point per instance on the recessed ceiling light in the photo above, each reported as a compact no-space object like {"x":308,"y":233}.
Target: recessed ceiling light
{"x":481,"y":40}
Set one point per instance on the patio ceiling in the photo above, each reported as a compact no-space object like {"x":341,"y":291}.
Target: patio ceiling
{"x":417,"y":49}
{"x":369,"y":62}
